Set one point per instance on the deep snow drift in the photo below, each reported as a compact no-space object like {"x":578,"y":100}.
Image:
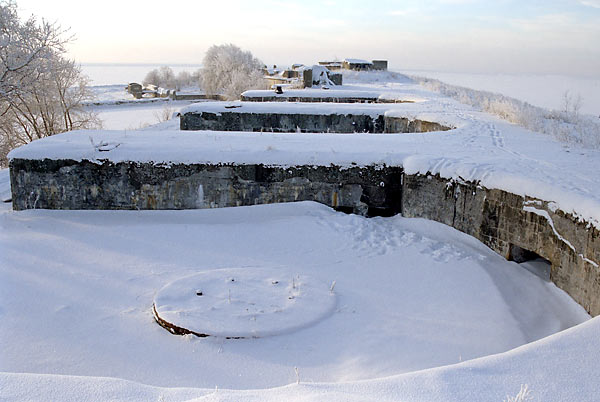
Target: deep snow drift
{"x":78,"y":286}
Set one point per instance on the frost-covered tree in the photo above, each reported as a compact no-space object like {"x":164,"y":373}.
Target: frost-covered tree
{"x":161,"y":77}
{"x":164,"y":77}
{"x":228,"y":70}
{"x":41,"y":91}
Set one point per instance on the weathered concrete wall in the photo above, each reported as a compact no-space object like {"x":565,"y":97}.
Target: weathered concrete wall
{"x":380,"y":65}
{"x":500,"y":219}
{"x":284,"y":123}
{"x":67,"y":184}
{"x":404,"y":125}
{"x":289,"y":123}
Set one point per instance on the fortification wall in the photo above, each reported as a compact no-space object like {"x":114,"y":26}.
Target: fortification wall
{"x":502,"y":220}
{"x":67,"y":184}
{"x":316,"y":123}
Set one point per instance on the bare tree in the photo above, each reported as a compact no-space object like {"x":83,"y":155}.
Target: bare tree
{"x":42,"y":93}
{"x":571,"y":105}
{"x":228,"y":70}
{"x":153,"y":77}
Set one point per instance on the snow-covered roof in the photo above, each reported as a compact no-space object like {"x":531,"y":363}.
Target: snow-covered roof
{"x":334,"y":92}
{"x":372,"y":109}
{"x":357,"y":61}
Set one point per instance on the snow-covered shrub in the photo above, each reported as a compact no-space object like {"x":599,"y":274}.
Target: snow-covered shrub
{"x":165,"y":114}
{"x":228,"y":70}
{"x":523,"y":395}
{"x":566,"y":125}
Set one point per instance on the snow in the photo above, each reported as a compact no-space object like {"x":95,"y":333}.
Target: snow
{"x":560,"y":368}
{"x":333,"y":92}
{"x":242,"y":303}
{"x":412,"y":295}
{"x":357,"y":61}
{"x":544,"y":90}
{"x":372,"y":109}
{"x":137,"y":114}
{"x":422,"y":312}
{"x":395,"y":278}
{"x":5,"y":194}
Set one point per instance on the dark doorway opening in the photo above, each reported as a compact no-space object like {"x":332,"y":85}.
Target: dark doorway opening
{"x":531,"y":261}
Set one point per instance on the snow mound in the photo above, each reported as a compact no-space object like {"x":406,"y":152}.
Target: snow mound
{"x":243,"y":303}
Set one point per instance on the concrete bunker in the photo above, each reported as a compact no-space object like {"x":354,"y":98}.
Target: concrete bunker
{"x":301,"y":122}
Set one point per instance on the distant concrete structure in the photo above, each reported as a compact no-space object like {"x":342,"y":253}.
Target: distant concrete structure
{"x":148,"y":91}
{"x":357,"y":64}
{"x":336,"y":78}
{"x":364,"y":65}
{"x":279,"y":80}
{"x":331,"y":65}
{"x":321,"y":74}
{"x":290,"y":73}
{"x":380,"y":65}
{"x":135,"y":89}
{"x":307,"y":78}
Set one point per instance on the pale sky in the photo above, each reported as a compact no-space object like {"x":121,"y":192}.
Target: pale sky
{"x":550,"y":36}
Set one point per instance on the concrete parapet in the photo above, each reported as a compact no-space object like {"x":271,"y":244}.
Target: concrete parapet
{"x":296,"y":122}
{"x":67,"y":184}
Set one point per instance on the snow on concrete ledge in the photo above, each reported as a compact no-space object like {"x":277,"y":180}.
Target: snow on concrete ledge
{"x":335,"y":93}
{"x":373,"y":110}
{"x":496,"y":154}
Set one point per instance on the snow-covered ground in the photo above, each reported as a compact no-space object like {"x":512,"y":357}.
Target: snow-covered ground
{"x":137,"y":115}
{"x":415,"y":301}
{"x":77,"y":289}
{"x":118,"y":110}
{"x":4,"y":185}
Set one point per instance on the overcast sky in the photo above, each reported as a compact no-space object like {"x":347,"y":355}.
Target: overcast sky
{"x":550,"y":36}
